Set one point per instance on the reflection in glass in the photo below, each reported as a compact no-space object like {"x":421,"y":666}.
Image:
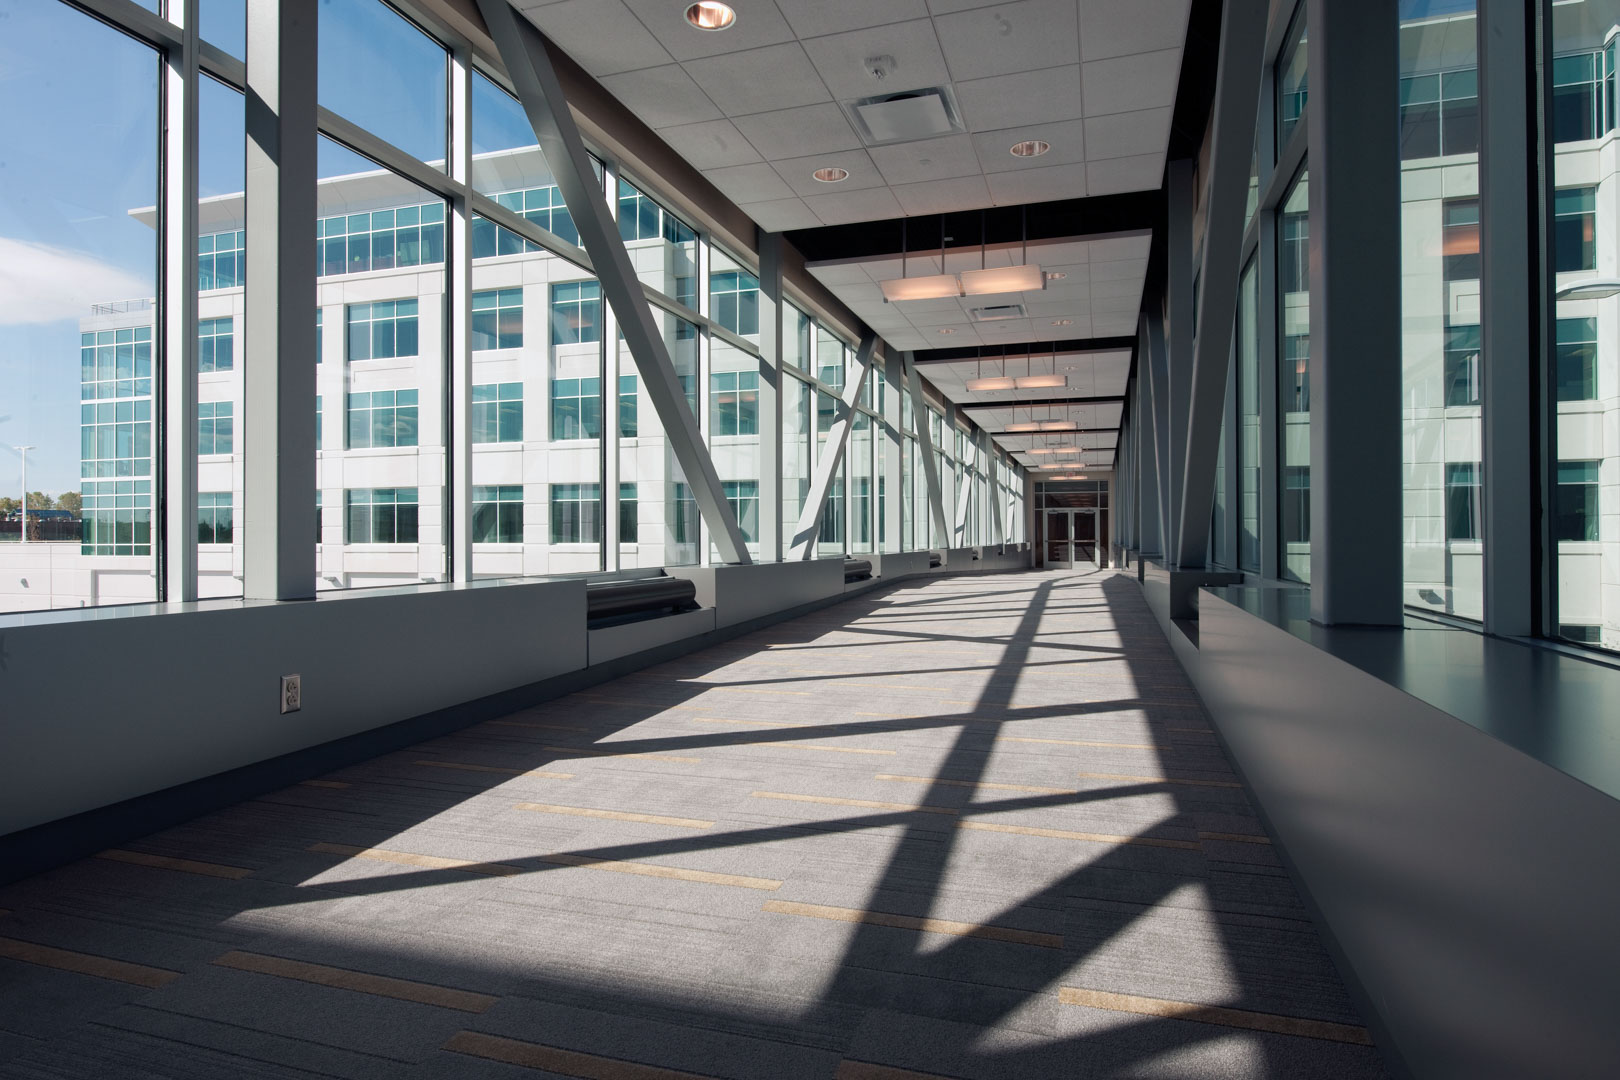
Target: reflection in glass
{"x":1294,"y":380}
{"x":1292,"y":86}
{"x":381,"y":72}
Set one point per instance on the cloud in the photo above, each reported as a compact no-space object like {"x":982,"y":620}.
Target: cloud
{"x":40,"y":283}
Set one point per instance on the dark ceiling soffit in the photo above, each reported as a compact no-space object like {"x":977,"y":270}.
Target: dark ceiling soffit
{"x":1022,"y":350}
{"x":1064,"y":219}
{"x":1025,"y":402}
{"x":1072,"y":431}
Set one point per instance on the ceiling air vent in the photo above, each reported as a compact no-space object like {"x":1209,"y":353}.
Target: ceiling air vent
{"x":999,"y":311}
{"x":906,"y":116}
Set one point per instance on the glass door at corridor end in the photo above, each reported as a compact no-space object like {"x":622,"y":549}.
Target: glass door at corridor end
{"x":1071,"y":538}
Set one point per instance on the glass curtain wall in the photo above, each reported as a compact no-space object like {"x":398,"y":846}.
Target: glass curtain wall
{"x":1583,"y":500}
{"x":1294,"y":381}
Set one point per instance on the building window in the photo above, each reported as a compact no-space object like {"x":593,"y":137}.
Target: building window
{"x":743,"y":495}
{"x":734,"y":300}
{"x":544,"y":206}
{"x":641,"y":218}
{"x":382,"y":418}
{"x":216,"y":427}
{"x":319,"y":333}
{"x":117,"y":517}
{"x":734,"y":403}
{"x":1296,"y":508}
{"x":214,"y":345}
{"x":214,"y":513}
{"x":832,"y":515}
{"x":629,"y":515}
{"x":684,"y":522}
{"x":575,"y":513}
{"x":497,"y":412}
{"x":380,"y":240}
{"x":1463,"y":511}
{"x":1575,"y":507}
{"x":1440,"y":114}
{"x":1462,"y":365}
{"x":576,"y":408}
{"x":1292,"y":84}
{"x":317,"y":421}
{"x":115,"y":363}
{"x":1577,"y":360}
{"x":380,"y":516}
{"x":497,"y":514}
{"x":497,"y":319}
{"x":627,"y":406}
{"x":115,"y":438}
{"x":576,"y":312}
{"x":317,"y":516}
{"x":381,"y":330}
{"x":1575,"y":229}
{"x":221,"y":262}
{"x":1577,"y":101}
{"x":1460,"y":240}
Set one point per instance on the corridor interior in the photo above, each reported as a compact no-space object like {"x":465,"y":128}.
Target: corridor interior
{"x":972,"y":827}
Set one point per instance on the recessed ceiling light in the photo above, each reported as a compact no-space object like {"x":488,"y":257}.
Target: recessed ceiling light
{"x":1062,"y":322}
{"x":1031,"y":148}
{"x":710,"y":15}
{"x":947,"y":330}
{"x":832,"y":175}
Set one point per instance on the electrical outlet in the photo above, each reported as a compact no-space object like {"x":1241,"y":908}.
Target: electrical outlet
{"x":292,"y":693}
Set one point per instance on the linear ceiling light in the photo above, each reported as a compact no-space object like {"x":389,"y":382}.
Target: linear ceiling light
{"x":1003,"y":279}
{"x":1030,"y":426}
{"x":1059,"y":425}
{"x":998,"y":382}
{"x":1054,"y":450}
{"x":935,"y":287}
{"x":1041,"y":382}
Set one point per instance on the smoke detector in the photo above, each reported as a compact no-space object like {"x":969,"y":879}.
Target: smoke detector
{"x":879,"y":67}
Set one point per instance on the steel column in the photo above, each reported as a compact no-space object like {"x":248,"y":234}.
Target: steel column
{"x":177,"y":518}
{"x":925,"y":449}
{"x":831,"y":458}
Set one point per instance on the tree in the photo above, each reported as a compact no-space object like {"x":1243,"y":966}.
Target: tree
{"x":71,"y":501}
{"x":8,"y":506}
{"x":38,"y":500}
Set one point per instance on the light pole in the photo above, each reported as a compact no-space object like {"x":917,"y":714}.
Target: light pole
{"x":23,"y":450}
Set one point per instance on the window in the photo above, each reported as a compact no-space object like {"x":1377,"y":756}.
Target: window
{"x":1460,"y":240}
{"x":832,"y":516}
{"x":576,"y":312}
{"x":743,"y":495}
{"x":684,"y":519}
{"x":575,"y":513}
{"x":215,"y":427}
{"x":319,"y":335}
{"x":497,"y":319}
{"x":641,"y":219}
{"x":221,"y":261}
{"x":318,"y":522}
{"x":1463,"y":511}
{"x":382,"y":418}
{"x":116,"y":363}
{"x":1575,"y":507}
{"x":1577,"y":99}
{"x":542,"y":205}
{"x":1577,"y":359}
{"x":381,"y":240}
{"x":1292,"y":84}
{"x":1462,"y":365}
{"x":115,"y":438}
{"x":497,"y":514}
{"x":317,"y":423}
{"x":629,"y":515}
{"x":380,"y":516}
{"x":497,"y":412}
{"x":1294,"y":381}
{"x":734,"y":300}
{"x":214,"y":517}
{"x":627,"y":406}
{"x":1296,"y":509}
{"x":1575,"y":229}
{"x":213,"y":345}
{"x":382,"y":330}
{"x":1248,"y":388}
{"x":734,"y":403}
{"x":576,"y":408}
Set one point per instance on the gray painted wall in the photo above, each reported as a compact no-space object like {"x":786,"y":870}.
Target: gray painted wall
{"x":1470,"y":889}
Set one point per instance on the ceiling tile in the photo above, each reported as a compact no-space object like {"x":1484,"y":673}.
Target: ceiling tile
{"x":809,"y":129}
{"x":1039,"y":185}
{"x":1010,"y":37}
{"x":758,"y":23}
{"x":1027,"y":97}
{"x":945,"y":7}
{"x":712,"y":144}
{"x":841,"y":59}
{"x":840,"y":274}
{"x":1126,"y":288}
{"x":760,"y":80}
{"x":1144,"y":172}
{"x":928,"y":159}
{"x":1128,"y":246}
{"x":1121,"y":27}
{"x":602,"y":36}
{"x":874,"y":204}
{"x":1141,"y":131}
{"x":797,"y":172}
{"x":780,"y":215}
{"x":749,"y":183}
{"x":1129,"y":83}
{"x":943,"y":196}
{"x":835,"y":16}
{"x":662,"y":96}
{"x":1067,"y":139}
